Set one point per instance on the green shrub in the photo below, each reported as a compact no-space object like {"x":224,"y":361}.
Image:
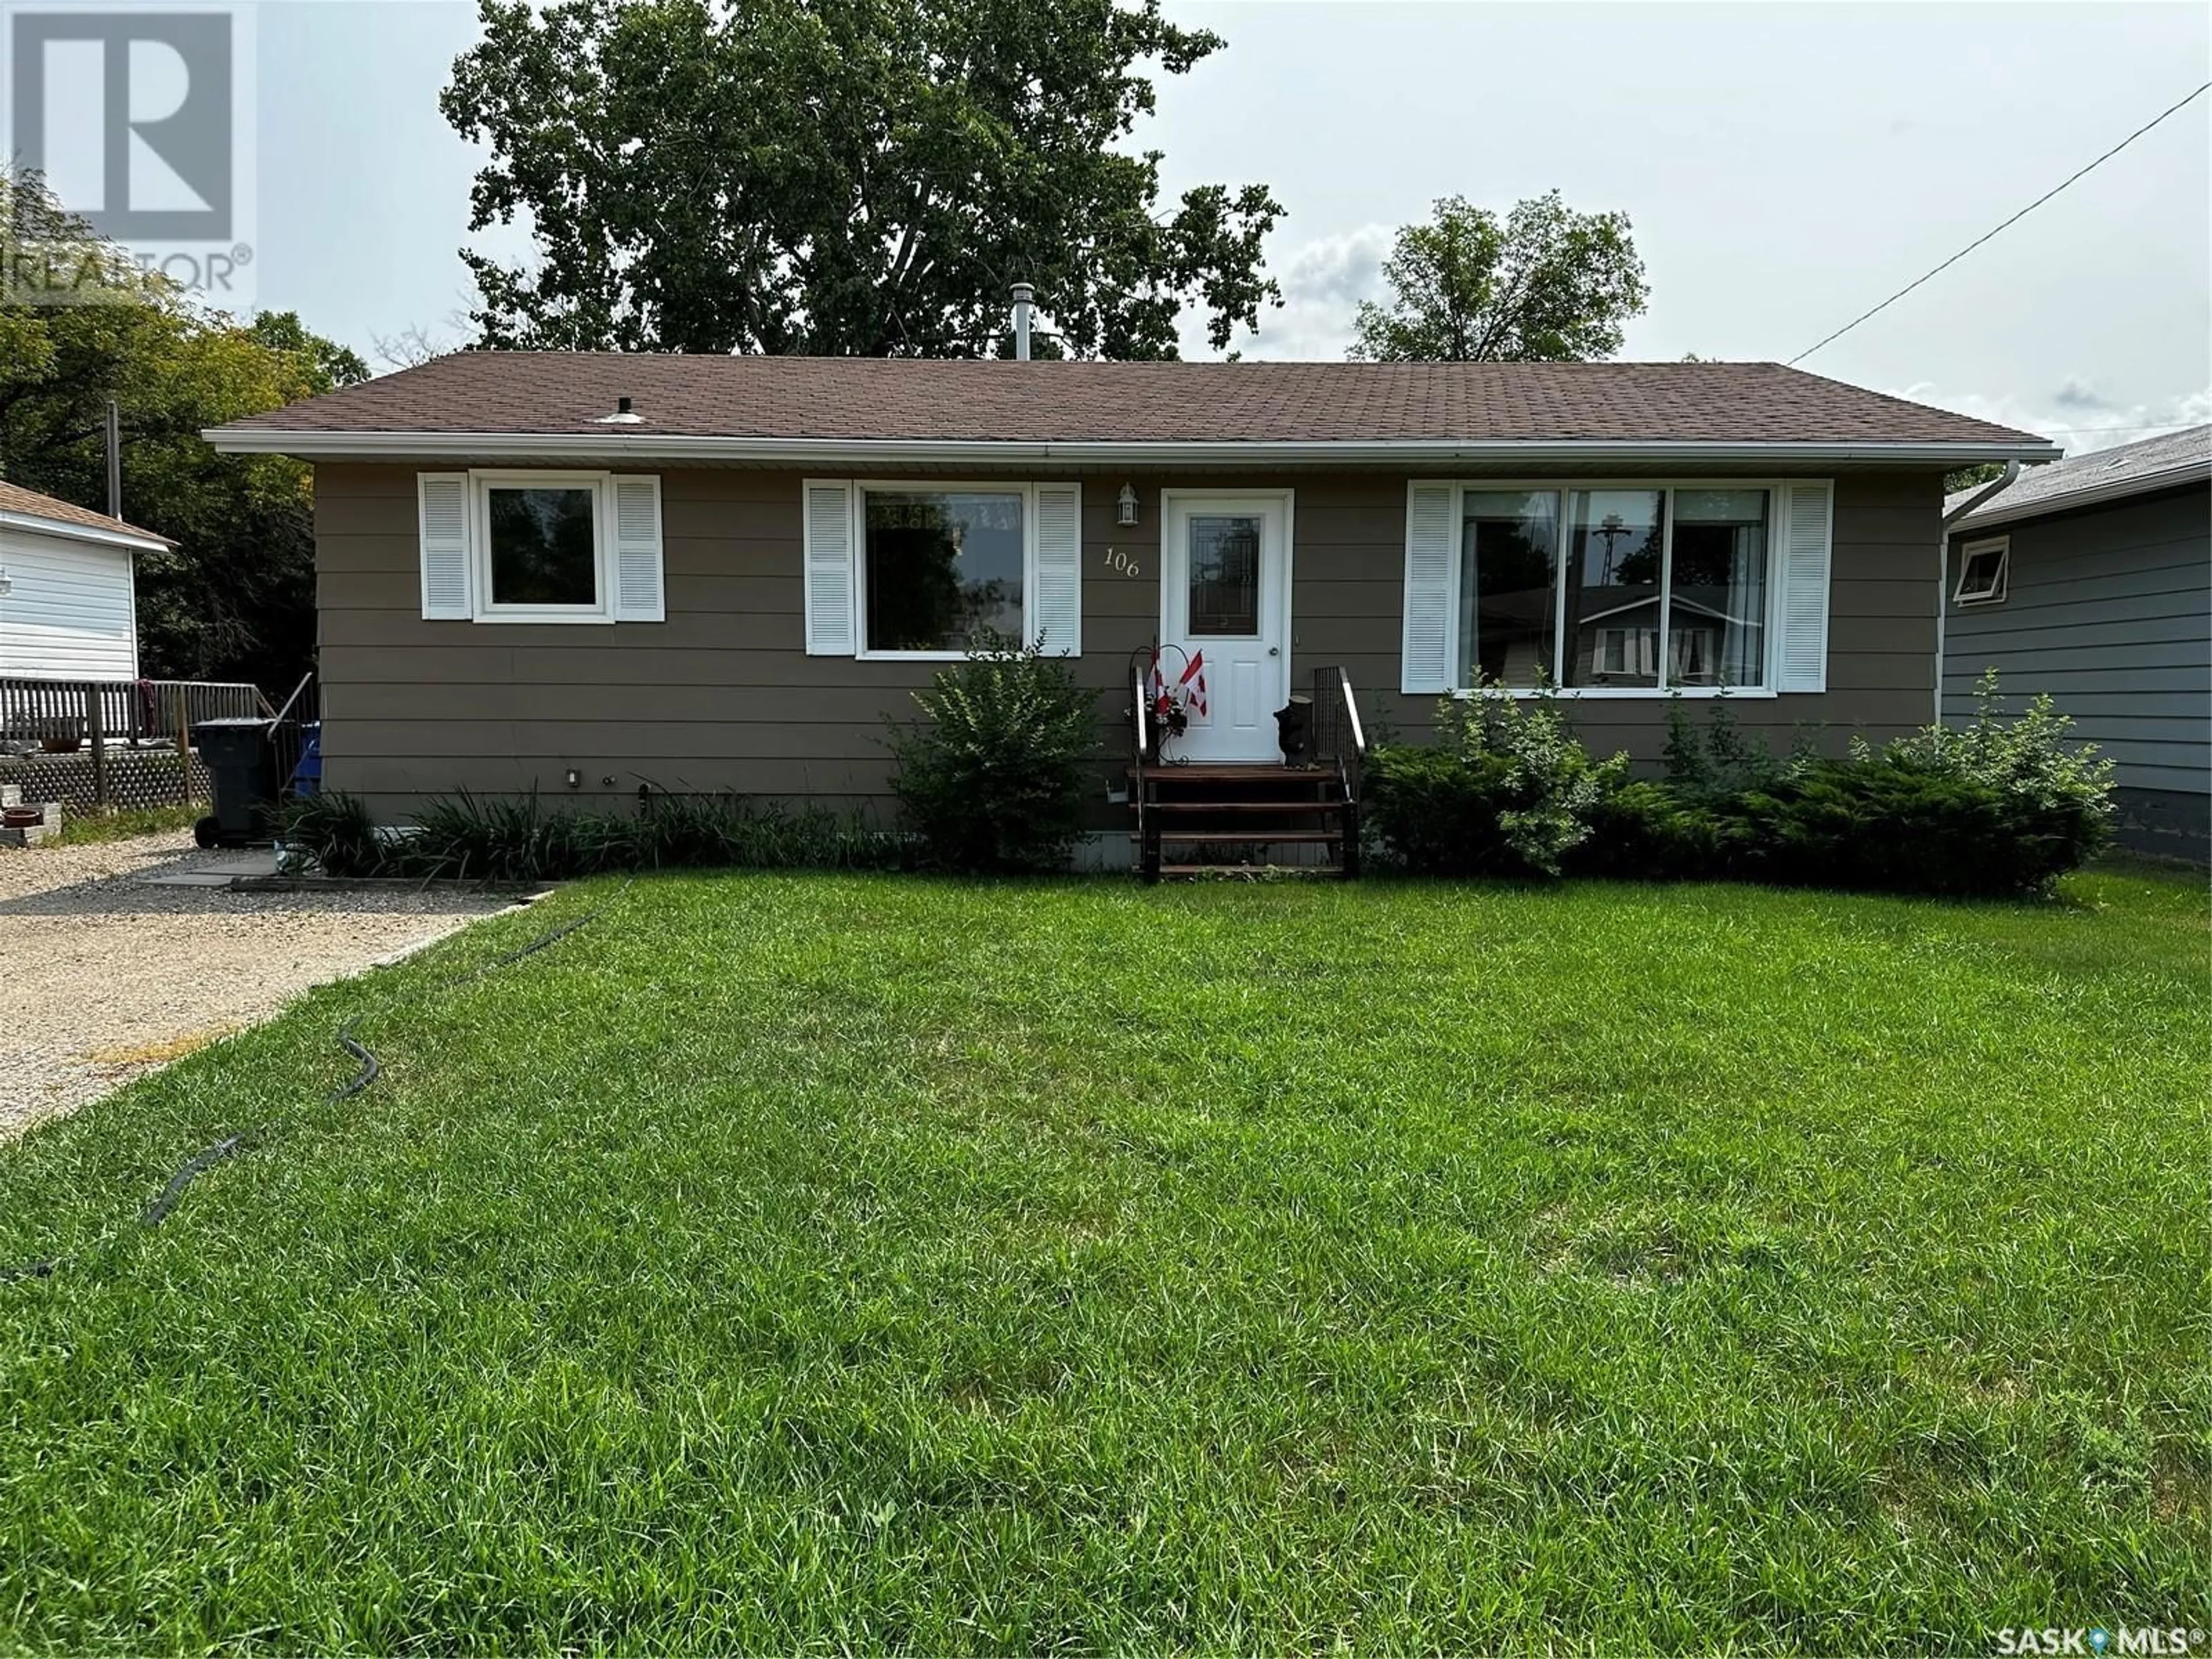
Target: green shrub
{"x":1995,"y":807}
{"x":1640,"y":830}
{"x":1718,"y":760}
{"x":1435,"y":813}
{"x":730,"y":832}
{"x":1887,"y":823}
{"x":519,"y":838}
{"x":2031,"y":760}
{"x":333,"y":831}
{"x":993,"y":777}
{"x":1508,"y":789}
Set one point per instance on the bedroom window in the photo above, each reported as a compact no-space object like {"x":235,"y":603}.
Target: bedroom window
{"x":921,"y":571}
{"x":542,"y":545}
{"x":939,"y":568}
{"x":1982,"y":571}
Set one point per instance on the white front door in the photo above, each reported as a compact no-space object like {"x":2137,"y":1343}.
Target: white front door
{"x":1226,"y":606}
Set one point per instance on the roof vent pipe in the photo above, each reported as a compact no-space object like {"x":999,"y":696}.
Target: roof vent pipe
{"x":623,"y":415}
{"x":1025,"y":296}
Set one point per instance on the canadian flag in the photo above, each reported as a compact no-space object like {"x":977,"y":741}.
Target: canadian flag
{"x":1194,"y":683}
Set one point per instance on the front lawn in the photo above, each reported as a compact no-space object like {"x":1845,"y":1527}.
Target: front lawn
{"x":809,"y":1262}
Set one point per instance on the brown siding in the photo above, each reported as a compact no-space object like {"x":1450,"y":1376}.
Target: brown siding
{"x":722,"y":696}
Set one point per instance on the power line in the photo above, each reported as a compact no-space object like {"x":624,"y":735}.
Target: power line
{"x":2014,"y":220}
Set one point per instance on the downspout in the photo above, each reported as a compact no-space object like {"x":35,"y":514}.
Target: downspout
{"x":1995,"y":486}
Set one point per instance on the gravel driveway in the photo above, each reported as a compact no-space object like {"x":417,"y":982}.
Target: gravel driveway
{"x":108,"y":976}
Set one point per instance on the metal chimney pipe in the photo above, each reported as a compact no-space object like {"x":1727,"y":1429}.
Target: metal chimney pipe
{"x":1025,"y":296}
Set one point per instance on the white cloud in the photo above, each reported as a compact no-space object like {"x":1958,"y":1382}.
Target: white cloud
{"x":2075,"y":415}
{"x":1323,"y":282}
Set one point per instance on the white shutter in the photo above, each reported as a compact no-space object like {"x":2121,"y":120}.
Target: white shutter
{"x":1425,"y":664}
{"x":638,"y":596}
{"x":1801,"y":658}
{"x":1055,"y":608}
{"x":830,"y":570}
{"x":443,"y":516}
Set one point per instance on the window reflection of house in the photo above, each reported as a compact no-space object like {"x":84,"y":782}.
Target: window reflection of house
{"x":1584,"y":608}
{"x":941,"y":567}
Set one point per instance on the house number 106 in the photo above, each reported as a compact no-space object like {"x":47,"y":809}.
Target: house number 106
{"x":1118,"y":561}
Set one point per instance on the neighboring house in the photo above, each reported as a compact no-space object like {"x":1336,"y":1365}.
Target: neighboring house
{"x":2093,"y":580}
{"x":69,"y":607}
{"x":576,"y":573}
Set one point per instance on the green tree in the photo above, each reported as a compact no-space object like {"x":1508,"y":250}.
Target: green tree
{"x":236,"y":598}
{"x":1545,"y":284}
{"x":857,"y":178}
{"x":1966,"y":478}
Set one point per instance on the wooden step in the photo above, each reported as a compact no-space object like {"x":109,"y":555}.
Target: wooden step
{"x":1280,"y":808}
{"x":1250,"y":837}
{"x":1249,"y":772}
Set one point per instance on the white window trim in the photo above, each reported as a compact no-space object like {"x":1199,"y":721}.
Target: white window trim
{"x":2000,"y":589}
{"x":933,"y":487}
{"x":480,"y":484}
{"x":1771,"y":626}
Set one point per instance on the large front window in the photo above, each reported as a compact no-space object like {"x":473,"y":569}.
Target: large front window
{"x":941,"y":567}
{"x":1508,"y":594}
{"x":1616,"y":550}
{"x":1623,"y":587}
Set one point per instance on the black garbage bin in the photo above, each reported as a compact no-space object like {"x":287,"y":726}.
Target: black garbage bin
{"x":242,"y":769}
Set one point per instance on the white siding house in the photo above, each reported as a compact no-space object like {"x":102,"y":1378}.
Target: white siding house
{"x":68,"y":599}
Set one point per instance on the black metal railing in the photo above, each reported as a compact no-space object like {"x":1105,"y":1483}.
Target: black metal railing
{"x":1339,"y":741}
{"x":1140,"y":739}
{"x":1340,"y":738}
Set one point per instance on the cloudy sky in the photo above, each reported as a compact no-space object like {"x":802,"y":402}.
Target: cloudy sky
{"x":1786,"y":166}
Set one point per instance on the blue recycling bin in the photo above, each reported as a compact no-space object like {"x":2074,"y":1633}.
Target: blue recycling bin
{"x":307,"y":777}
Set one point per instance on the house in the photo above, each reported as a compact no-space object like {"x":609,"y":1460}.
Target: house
{"x":2092,"y":580}
{"x":581,"y":573}
{"x":67,"y":601}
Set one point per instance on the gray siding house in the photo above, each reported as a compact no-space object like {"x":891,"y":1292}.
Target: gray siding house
{"x":579,"y":573}
{"x":2093,"y":580}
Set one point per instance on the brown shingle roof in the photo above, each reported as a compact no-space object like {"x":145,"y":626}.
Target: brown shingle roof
{"x":29,"y":502}
{"x":876,"y":399}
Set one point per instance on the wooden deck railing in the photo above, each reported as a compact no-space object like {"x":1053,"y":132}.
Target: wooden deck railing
{"x":101,"y":744}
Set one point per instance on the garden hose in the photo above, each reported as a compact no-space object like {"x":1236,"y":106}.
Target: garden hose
{"x":208,"y":1157}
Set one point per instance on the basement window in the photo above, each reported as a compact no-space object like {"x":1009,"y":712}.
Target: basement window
{"x":1982,"y":572}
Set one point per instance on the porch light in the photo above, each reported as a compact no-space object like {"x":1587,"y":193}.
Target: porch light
{"x":1125,"y":505}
